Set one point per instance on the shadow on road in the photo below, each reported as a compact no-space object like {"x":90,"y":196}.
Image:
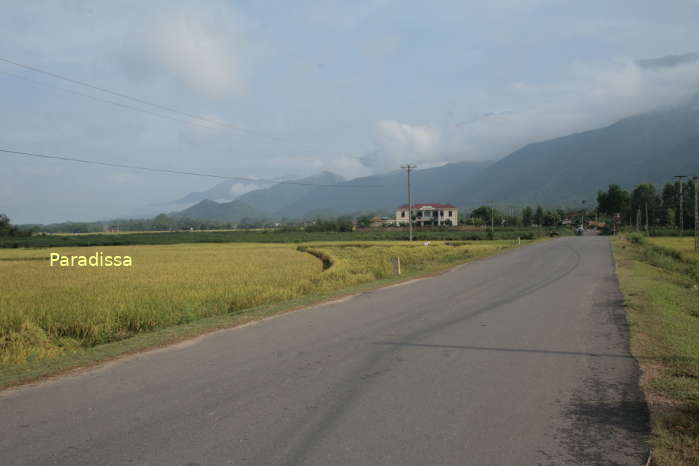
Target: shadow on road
{"x":510,"y":350}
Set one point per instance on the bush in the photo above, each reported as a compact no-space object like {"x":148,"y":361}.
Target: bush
{"x":637,"y":238}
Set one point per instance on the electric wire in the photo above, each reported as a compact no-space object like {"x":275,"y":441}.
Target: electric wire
{"x":107,"y":101}
{"x":141,"y":101}
{"x":179,"y":172}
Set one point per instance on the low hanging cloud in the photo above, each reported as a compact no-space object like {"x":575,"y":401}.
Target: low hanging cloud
{"x":595,"y":97}
{"x":398,"y":143}
{"x":202,"y":47}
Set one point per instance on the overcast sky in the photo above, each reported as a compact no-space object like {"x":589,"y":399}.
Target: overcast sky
{"x":352,"y":87}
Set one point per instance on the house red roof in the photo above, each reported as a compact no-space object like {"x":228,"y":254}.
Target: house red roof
{"x":436,"y":206}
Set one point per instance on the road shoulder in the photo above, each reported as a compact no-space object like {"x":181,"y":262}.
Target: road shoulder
{"x":661,"y":306}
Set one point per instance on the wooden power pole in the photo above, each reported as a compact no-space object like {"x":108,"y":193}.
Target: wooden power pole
{"x":679,"y":179}
{"x":409,"y":168}
{"x":647,"y":232}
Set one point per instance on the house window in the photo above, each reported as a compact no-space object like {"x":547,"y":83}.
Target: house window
{"x":427,"y":213}
{"x":441,"y":213}
{"x":450,"y":213}
{"x":402,"y":214}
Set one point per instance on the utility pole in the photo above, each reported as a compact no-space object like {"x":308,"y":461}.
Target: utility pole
{"x":638,"y":219}
{"x":696,"y":215}
{"x":409,"y":168}
{"x":492,"y":221}
{"x":647,"y":233}
{"x":679,"y":179}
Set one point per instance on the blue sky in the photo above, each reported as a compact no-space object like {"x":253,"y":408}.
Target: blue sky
{"x":351,"y":87}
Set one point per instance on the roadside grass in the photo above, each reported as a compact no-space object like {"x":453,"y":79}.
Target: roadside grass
{"x":52,"y":320}
{"x":659,"y":285}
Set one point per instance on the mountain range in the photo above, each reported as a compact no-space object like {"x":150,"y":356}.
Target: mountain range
{"x":650,"y":148}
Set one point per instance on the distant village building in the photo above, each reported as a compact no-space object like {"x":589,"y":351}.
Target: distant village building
{"x":376,"y":222}
{"x":428,"y":215}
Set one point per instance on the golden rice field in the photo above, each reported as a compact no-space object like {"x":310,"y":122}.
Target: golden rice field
{"x":46,"y":311}
{"x":684,"y":245}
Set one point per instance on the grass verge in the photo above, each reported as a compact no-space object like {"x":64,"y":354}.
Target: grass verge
{"x":84,"y":357}
{"x":662,"y":305}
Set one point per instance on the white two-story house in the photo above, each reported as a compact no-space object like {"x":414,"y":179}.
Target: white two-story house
{"x":428,"y":215}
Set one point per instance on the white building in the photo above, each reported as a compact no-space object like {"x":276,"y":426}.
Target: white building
{"x":428,"y":214}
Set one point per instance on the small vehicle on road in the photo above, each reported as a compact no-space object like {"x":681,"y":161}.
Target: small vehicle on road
{"x":579,"y":231}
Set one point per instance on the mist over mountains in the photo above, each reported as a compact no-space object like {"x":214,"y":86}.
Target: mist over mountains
{"x":650,"y":147}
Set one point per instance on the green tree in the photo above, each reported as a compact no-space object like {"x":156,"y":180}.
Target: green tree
{"x":670,"y":199}
{"x":484,"y":214}
{"x":364,"y":221}
{"x":527,"y":216}
{"x":164,"y":222}
{"x":6,"y":228}
{"x":688,"y":204}
{"x":643,"y":198}
{"x":550,"y":218}
{"x":539,"y":215}
{"x":614,"y":201}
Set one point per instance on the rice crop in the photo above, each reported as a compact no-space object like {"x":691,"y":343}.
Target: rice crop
{"x":46,"y":311}
{"x":685,"y":245}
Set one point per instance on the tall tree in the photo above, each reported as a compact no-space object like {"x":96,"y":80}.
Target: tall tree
{"x":614,"y":201}
{"x":539,"y":215}
{"x":670,"y":199}
{"x":644,"y":199}
{"x":5,"y":227}
{"x":483,"y":213}
{"x":688,"y":204}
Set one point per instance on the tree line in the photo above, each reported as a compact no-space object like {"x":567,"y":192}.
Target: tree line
{"x":644,"y":204}
{"x":528,"y":217}
{"x":162,"y":222}
{"x":6,"y":228}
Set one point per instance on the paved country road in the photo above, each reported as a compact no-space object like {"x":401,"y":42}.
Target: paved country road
{"x":519,"y":359}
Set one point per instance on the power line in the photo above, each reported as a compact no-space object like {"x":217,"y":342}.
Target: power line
{"x":141,"y":101}
{"x":111,"y":102}
{"x":107,"y":101}
{"x":179,"y":172}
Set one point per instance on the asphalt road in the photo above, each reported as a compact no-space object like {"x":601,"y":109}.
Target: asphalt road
{"x":520,"y":359}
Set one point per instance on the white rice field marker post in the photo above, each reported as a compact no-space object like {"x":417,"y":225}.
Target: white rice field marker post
{"x":396,"y":266}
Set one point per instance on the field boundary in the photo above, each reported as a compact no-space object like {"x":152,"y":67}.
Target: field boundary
{"x":90,"y":358}
{"x":660,"y":298}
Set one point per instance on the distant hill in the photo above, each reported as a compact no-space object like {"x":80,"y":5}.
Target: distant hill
{"x":233,"y":211}
{"x":428,"y":185}
{"x":275,"y":199}
{"x":645,"y":148}
{"x":222,"y":191}
{"x":648,"y":148}
{"x":266,"y":199}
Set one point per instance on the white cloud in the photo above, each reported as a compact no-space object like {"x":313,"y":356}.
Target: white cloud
{"x":238,"y":189}
{"x":398,"y":143}
{"x":346,"y":165}
{"x":596,"y":96}
{"x":203,"y":48}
